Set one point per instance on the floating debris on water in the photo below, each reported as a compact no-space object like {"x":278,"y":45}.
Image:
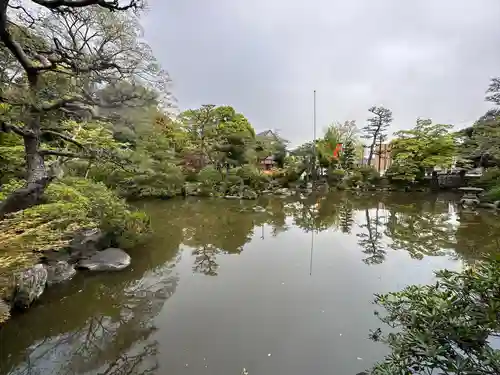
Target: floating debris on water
{"x":269,"y":355}
{"x":359,"y":358}
{"x":244,"y":372}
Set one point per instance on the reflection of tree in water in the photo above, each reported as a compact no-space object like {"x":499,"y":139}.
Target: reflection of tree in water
{"x":477,"y":235}
{"x":421,"y":228}
{"x":345,"y":216}
{"x":206,"y":260}
{"x":212,"y":228}
{"x":315,"y":213}
{"x":371,"y":239}
{"x":276,"y":216}
{"x":115,"y":341}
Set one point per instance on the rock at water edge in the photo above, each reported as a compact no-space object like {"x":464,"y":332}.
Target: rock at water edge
{"x":4,"y":311}
{"x":59,"y":272}
{"x":29,"y":285}
{"x":86,"y":243}
{"x":111,"y":259}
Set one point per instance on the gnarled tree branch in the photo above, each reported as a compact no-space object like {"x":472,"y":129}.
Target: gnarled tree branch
{"x":7,"y":128}
{"x":62,"y":136}
{"x":108,"y":4}
{"x":64,"y":154}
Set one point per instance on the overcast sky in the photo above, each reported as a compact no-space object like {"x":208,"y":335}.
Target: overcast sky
{"x":427,"y":58}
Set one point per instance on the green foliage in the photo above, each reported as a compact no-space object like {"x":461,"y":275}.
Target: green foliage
{"x":481,"y":142}
{"x":354,"y":179}
{"x":425,"y":146}
{"x":153,"y":183}
{"x":223,"y":135}
{"x":445,"y":327}
{"x":493,"y":194}
{"x":210,"y":176}
{"x":335,"y":176}
{"x":370,"y":174}
{"x":348,"y":155}
{"x":9,"y":187}
{"x":346,"y":135}
{"x":489,"y":179}
{"x":402,"y":173}
{"x":253,"y":177}
{"x":70,"y":205}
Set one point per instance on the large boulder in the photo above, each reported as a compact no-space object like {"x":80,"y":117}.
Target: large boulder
{"x":4,"y":311}
{"x":86,"y":243}
{"x":111,"y":259}
{"x":59,"y":272}
{"x":29,"y":285}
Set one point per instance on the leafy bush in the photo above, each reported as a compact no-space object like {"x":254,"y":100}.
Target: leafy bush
{"x":353,"y":179}
{"x":401,"y":174}
{"x":9,"y":187}
{"x":72,"y":204}
{"x":190,"y":175}
{"x":489,"y":179}
{"x":493,"y":194}
{"x":253,"y":176}
{"x":444,"y":328}
{"x":335,"y":176}
{"x":209,"y":177}
{"x":163,"y":183}
{"x":370,"y":175}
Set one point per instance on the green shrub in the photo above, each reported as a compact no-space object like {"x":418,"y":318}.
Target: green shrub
{"x":253,"y":177}
{"x":493,"y":194}
{"x":489,"y":179}
{"x":71,"y":205}
{"x":163,"y":183}
{"x":448,"y":327}
{"x":335,"y":176}
{"x":9,"y":187}
{"x":190,"y":175}
{"x":370,"y":175}
{"x":209,"y":177}
{"x":353,"y":179}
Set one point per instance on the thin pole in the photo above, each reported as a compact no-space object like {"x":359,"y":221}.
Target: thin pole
{"x":312,"y":249}
{"x":314,"y":118}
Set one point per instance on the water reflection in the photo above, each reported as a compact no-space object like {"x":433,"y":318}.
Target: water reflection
{"x":108,"y":324}
{"x":370,"y":238}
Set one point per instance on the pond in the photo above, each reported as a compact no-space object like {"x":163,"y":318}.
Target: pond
{"x":267,"y":287}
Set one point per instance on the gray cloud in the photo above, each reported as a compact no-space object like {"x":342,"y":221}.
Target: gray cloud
{"x":423,"y":58}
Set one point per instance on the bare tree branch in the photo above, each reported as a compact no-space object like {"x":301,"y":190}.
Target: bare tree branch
{"x":30,"y":18}
{"x":108,"y":4}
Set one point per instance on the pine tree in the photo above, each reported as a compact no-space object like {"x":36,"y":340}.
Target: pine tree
{"x":348,"y":155}
{"x":376,"y":128}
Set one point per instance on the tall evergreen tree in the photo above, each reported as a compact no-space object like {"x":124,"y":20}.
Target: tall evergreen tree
{"x":376,"y":128}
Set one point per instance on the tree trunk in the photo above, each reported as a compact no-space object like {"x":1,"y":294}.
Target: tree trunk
{"x":37,"y":177}
{"x":372,"y":147}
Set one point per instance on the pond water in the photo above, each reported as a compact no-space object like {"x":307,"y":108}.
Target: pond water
{"x":275,"y":286}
